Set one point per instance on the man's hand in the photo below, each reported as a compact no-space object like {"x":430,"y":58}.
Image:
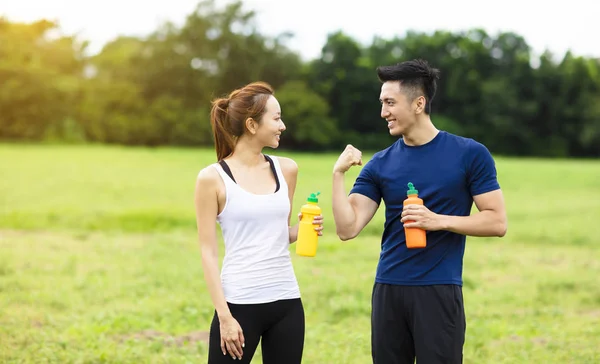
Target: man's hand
{"x":421,"y":217}
{"x":349,"y":157}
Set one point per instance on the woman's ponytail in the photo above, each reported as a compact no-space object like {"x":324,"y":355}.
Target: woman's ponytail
{"x":224,"y":142}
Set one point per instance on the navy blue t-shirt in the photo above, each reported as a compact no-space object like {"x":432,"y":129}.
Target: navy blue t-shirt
{"x":448,"y":171}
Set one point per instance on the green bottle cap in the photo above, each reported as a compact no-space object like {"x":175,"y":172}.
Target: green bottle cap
{"x":411,"y":190}
{"x":313,"y":197}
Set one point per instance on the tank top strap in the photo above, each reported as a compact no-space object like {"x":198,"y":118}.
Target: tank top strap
{"x":277,"y":166}
{"x":224,"y":175}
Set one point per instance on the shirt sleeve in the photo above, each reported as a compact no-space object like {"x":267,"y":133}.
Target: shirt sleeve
{"x":481,"y":170}
{"x":367,"y":183}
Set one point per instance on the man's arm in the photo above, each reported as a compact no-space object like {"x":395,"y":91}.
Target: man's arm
{"x":489,"y":221}
{"x":350,"y":213}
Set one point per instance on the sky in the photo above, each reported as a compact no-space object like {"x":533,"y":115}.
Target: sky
{"x":560,"y":27}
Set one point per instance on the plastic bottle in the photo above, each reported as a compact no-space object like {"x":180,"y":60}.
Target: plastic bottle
{"x":308,"y":238}
{"x":415,"y":237}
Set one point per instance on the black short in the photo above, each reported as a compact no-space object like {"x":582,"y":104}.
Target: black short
{"x":279,"y":326}
{"x":426,"y":322}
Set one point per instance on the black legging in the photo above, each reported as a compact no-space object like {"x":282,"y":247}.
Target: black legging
{"x":278,"y":325}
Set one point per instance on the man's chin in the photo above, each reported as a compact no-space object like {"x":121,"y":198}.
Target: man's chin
{"x":395,"y":132}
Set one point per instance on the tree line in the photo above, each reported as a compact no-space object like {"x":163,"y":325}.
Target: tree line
{"x":156,"y":90}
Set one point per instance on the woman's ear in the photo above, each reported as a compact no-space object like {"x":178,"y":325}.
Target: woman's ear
{"x":251,"y":126}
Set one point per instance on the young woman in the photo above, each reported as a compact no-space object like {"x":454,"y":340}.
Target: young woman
{"x":250,"y":195}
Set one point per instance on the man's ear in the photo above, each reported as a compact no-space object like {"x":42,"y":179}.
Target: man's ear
{"x":420,"y":103}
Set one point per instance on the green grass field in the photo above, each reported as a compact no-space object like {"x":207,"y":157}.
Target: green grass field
{"x":99,"y":262}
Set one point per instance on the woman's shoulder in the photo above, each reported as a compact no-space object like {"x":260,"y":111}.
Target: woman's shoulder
{"x":288,"y":165}
{"x":208,"y":176}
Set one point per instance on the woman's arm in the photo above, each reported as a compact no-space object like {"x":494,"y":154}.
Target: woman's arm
{"x":206,"y":205}
{"x":290,"y":172}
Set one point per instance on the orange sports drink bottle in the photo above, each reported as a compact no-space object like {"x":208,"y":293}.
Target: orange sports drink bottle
{"x":308,"y":238}
{"x":415,"y":237}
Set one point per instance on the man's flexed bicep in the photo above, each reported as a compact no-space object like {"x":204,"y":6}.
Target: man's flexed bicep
{"x":352,"y":213}
{"x":364,"y":209}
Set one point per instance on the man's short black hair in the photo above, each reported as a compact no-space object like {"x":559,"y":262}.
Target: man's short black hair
{"x":416,"y":78}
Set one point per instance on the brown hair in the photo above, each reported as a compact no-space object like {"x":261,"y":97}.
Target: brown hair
{"x":228,"y":115}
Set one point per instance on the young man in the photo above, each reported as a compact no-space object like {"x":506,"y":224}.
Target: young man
{"x":417,"y":301}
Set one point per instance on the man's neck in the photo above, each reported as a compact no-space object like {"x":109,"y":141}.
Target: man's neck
{"x":421,"y":134}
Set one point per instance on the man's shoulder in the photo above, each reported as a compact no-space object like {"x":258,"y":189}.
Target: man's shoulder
{"x":463,"y":141}
{"x":375,"y":166}
{"x":386,"y":153}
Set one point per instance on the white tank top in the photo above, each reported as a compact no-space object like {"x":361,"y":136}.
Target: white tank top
{"x":257,"y":266}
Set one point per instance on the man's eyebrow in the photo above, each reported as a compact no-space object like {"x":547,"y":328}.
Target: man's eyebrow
{"x":386,"y":99}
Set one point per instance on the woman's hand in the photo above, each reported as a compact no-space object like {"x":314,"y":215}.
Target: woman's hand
{"x":232,"y":337}
{"x":318,"y":221}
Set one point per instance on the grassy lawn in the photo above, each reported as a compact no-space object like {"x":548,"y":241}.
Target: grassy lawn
{"x":99,"y":262}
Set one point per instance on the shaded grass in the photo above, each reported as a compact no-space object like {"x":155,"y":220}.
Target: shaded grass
{"x":70,"y":299}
